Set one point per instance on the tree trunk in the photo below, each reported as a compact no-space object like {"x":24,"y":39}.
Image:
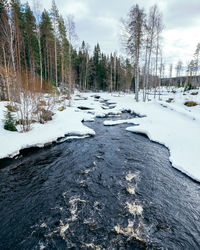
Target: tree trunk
{"x":7,"y":77}
{"x":55,"y":51}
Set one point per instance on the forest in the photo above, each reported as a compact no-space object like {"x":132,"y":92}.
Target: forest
{"x":37,"y":49}
{"x":38,"y":55}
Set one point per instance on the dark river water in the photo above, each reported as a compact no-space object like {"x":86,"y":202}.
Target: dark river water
{"x":116,"y":190}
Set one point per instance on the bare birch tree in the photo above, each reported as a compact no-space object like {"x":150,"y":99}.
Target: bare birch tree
{"x":179,"y":68}
{"x":134,"y":27}
{"x":71,"y":35}
{"x":196,"y":61}
{"x":55,"y":16}
{"x":170,"y":75}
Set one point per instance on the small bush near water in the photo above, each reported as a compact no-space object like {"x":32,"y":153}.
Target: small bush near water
{"x":46,"y":115}
{"x":9,"y":122}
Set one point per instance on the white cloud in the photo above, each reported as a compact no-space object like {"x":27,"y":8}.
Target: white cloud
{"x":98,"y":21}
{"x":180,"y":44}
{"x":79,"y":9}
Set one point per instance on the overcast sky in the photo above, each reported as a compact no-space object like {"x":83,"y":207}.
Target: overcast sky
{"x":99,"y":21}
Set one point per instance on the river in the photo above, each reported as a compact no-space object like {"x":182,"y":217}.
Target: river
{"x":116,"y":190}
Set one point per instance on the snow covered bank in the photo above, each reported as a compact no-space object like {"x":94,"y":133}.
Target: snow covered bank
{"x":66,"y":122}
{"x":170,"y":123}
{"x":177,"y":132}
{"x":84,"y":107}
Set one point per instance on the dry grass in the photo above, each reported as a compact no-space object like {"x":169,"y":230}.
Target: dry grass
{"x":61,"y":108}
{"x":170,"y":100}
{"x":190,"y":104}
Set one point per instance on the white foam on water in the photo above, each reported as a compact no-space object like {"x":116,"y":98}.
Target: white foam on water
{"x":63,"y":228}
{"x":64,"y":195}
{"x":130,"y":231}
{"x":93,"y":246}
{"x":41,"y":246}
{"x":73,"y":207}
{"x":44,"y":225}
{"x":86,"y":171}
{"x":96,"y":203}
{"x":134,"y":208}
{"x":130,"y":176}
{"x":73,"y":201}
{"x":130,"y":189}
{"x":90,"y":222}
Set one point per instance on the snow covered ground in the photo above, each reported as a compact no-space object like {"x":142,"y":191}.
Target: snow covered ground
{"x":171,"y":124}
{"x":66,"y":122}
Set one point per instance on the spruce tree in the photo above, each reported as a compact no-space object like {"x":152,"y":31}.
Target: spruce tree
{"x":30,"y":38}
{"x":47,"y":45}
{"x":9,"y":122}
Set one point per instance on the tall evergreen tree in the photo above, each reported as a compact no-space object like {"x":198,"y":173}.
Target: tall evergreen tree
{"x":47,"y":44}
{"x":30,"y":39}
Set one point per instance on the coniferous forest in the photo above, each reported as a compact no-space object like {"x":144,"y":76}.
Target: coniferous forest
{"x":38,"y":55}
{"x":37,"y":50}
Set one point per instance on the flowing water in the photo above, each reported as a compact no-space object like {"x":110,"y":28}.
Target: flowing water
{"x":116,"y":190}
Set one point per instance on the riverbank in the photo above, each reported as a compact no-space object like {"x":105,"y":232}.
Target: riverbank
{"x":167,"y":121}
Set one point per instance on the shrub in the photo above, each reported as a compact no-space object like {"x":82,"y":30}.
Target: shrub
{"x":170,"y":100}
{"x":61,"y":108}
{"x":42,"y":103}
{"x":194,"y":93}
{"x":12,"y":108}
{"x":190,"y":104}
{"x":58,"y":101}
{"x":9,"y":122}
{"x":189,"y":87}
{"x":46,"y":115}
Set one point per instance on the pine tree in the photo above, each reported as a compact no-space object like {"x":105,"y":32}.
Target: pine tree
{"x":64,"y":48}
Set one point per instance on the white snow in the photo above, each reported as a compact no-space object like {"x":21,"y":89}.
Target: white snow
{"x":171,"y":124}
{"x":112,"y":123}
{"x":64,"y":122}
